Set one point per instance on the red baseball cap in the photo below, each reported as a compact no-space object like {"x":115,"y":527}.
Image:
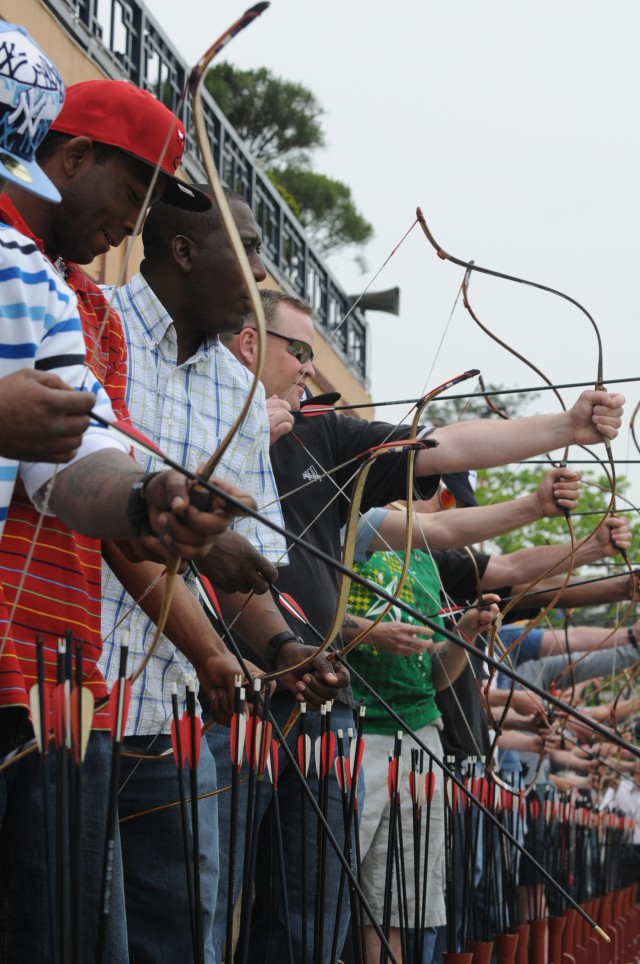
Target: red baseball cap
{"x":119,"y":114}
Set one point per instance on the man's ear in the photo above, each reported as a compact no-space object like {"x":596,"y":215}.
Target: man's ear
{"x":183,"y":252}
{"x":75,"y":154}
{"x":247,"y":346}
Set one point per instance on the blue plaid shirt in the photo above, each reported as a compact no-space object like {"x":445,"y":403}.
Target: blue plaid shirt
{"x":186,"y":409}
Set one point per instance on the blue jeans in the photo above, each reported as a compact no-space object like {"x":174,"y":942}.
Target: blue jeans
{"x":153,"y":854}
{"x":25,"y":936}
{"x":430,"y":935}
{"x":268,"y":927}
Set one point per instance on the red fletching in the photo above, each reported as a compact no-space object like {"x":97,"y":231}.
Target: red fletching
{"x":210,"y":593}
{"x":392,"y":778}
{"x":275,"y":763}
{"x":327,"y":753}
{"x":429,"y":786}
{"x":288,"y":602}
{"x":252,"y":740}
{"x":265,"y":745}
{"x":412,"y":786}
{"x":183,"y":734}
{"x":310,"y":410}
{"x":534,"y":810}
{"x":356,"y":758}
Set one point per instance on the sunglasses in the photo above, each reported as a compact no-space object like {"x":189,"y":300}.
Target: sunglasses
{"x":300,"y":350}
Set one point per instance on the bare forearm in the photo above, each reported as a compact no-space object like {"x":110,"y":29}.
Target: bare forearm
{"x":483,"y":443}
{"x":524,"y":566}
{"x":521,"y":741}
{"x":581,"y":639}
{"x":564,"y":759}
{"x":591,"y":594}
{"x":187,"y":625}
{"x":91,"y":495}
{"x":257,"y":619}
{"x":454,"y":529}
{"x":447,"y":663}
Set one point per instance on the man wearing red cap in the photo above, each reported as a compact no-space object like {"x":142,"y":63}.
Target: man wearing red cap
{"x":103,"y":184}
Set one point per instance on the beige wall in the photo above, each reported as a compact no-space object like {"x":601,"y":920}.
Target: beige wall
{"x":71,"y":61}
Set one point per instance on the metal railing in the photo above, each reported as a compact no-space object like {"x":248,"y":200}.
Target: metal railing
{"x":122,"y":38}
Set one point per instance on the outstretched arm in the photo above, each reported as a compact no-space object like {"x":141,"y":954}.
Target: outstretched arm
{"x":451,"y":530}
{"x":482,"y":443}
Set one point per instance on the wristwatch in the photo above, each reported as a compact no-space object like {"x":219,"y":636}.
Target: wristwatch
{"x":276,"y":643}
{"x":137,"y":511}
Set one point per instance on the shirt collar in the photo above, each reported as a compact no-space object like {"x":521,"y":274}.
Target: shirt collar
{"x":154,"y":318}
{"x":156,"y":322}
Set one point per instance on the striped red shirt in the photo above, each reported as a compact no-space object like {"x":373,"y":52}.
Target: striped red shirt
{"x":62,"y":588}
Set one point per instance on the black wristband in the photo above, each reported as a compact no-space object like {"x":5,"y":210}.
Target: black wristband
{"x":137,"y":512}
{"x":631,"y":636}
{"x":275,"y":644}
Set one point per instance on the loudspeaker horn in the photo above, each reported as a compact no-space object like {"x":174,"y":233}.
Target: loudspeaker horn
{"x":388,"y":301}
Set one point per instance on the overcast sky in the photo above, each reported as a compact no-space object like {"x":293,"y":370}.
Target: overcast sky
{"x":515,"y":127}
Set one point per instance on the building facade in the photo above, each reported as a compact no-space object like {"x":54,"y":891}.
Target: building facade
{"x":120,"y":39}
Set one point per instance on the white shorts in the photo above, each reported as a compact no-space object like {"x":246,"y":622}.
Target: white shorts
{"x":374,"y":829}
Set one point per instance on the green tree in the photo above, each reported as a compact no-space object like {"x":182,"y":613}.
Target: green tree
{"x":326,"y":209}
{"x":510,"y":482}
{"x":279,"y":119}
{"x":281,"y":123}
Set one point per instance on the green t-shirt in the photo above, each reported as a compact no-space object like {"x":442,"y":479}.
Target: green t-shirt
{"x":403,"y":681}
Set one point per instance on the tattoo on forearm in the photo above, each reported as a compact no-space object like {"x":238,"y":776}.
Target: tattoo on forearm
{"x":92,"y":476}
{"x":349,"y":623}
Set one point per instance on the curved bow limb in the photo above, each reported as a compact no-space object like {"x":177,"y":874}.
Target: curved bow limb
{"x":471,"y":266}
{"x":193,"y":87}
